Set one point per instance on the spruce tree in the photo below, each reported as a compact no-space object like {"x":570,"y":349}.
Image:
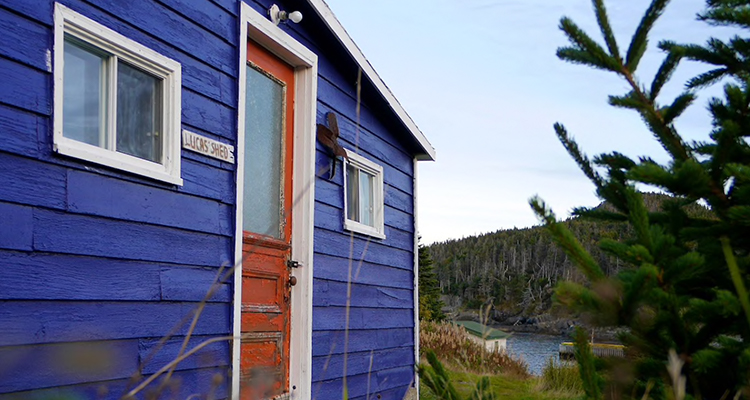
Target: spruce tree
{"x":684,"y":285}
{"x":430,"y":305}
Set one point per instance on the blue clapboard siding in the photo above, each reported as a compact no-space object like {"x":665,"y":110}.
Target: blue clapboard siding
{"x":184,"y":384}
{"x":17,"y":221}
{"x":103,"y":258}
{"x":330,"y":293}
{"x":334,"y":318}
{"x":194,"y":284}
{"x":159,"y":21}
{"x":335,"y":269}
{"x":36,"y":322}
{"x":361,"y":362}
{"x":342,"y":245}
{"x":20,"y":131}
{"x":155,"y":353}
{"x":98,"y":195}
{"x":50,"y":276}
{"x":216,"y":20}
{"x":32,"y":367}
{"x":25,"y":87}
{"x":26,"y":181}
{"x":368,"y":139}
{"x":398,"y":393}
{"x":82,"y":235}
{"x":399,"y":378}
{"x":18,"y":29}
{"x":326,"y":343}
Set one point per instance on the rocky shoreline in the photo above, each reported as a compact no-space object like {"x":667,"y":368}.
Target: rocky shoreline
{"x":539,"y":325}
{"x":543,"y":324}
{"x":563,"y":328}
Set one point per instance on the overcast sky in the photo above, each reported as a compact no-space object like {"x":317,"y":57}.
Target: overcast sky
{"x":481,"y":80}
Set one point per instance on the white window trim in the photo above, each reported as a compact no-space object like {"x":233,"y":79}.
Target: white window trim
{"x":378,"y":231}
{"x":258,"y":28}
{"x":99,"y":36}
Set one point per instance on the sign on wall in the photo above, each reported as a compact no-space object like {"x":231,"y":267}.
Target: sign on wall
{"x":206,"y":146}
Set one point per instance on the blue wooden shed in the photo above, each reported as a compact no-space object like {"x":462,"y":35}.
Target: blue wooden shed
{"x":209,"y":198}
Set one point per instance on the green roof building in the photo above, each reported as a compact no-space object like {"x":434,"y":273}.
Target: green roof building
{"x":491,"y":338}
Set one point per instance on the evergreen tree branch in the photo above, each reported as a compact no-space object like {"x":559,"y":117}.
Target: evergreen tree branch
{"x":707,"y":78}
{"x":598,"y":214}
{"x":629,"y":100}
{"x":665,"y":134}
{"x":578,"y":56}
{"x":640,"y":39}
{"x":639,"y":218}
{"x":580,"y":158}
{"x":678,"y":106}
{"x":609,"y":37}
{"x":734,"y":271}
{"x":586,"y":366}
{"x":565,"y":239}
{"x":726,"y":15}
{"x":726,"y":3}
{"x":667,"y":68}
{"x":708,"y":55}
{"x":595,"y":55}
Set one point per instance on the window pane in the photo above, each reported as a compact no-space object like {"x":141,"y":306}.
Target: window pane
{"x":138,"y":113}
{"x":264,"y":128}
{"x":352,"y":193}
{"x":83,"y":95}
{"x":366,"y":188}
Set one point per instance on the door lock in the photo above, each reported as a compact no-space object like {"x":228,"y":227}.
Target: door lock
{"x":292,"y":264}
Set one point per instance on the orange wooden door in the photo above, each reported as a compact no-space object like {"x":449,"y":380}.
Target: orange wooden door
{"x":266,"y":225}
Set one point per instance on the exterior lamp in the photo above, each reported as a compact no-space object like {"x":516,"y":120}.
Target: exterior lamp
{"x":277,"y":15}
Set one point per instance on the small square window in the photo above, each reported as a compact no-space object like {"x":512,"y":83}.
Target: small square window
{"x":117,"y":102}
{"x":363,"y":200}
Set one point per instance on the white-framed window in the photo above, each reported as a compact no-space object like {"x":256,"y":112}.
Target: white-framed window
{"x":363,"y":196}
{"x":117,"y":102}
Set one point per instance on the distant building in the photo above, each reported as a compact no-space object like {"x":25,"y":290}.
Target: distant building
{"x":492,"y":339}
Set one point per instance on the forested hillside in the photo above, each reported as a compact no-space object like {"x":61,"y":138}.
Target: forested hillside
{"x":517,"y":269}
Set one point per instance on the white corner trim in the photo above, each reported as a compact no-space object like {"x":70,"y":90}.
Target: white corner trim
{"x":416,"y":277}
{"x":170,"y":71}
{"x":338,"y":30}
{"x":258,"y":28}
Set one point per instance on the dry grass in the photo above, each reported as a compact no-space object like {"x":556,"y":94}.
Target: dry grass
{"x":451,"y":345}
{"x":562,"y":378}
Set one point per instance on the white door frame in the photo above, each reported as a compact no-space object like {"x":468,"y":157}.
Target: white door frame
{"x":258,"y":28}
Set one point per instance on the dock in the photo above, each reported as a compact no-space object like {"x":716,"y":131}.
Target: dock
{"x":567,"y":350}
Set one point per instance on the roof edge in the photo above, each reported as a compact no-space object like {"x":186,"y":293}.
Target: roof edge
{"x":338,"y":30}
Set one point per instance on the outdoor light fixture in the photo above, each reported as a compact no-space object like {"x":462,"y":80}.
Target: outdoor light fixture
{"x":280,"y":16}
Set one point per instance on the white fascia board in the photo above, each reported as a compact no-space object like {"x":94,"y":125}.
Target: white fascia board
{"x":338,"y":30}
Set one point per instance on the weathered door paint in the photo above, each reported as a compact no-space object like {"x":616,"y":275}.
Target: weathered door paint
{"x":267,"y":229}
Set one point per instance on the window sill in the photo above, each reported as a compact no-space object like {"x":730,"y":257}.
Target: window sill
{"x":357,"y":227}
{"x":116,"y":160}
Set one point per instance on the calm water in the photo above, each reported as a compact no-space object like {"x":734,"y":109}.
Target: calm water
{"x":535,"y":349}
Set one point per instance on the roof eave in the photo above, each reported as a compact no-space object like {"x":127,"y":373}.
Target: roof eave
{"x":324,"y":12}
